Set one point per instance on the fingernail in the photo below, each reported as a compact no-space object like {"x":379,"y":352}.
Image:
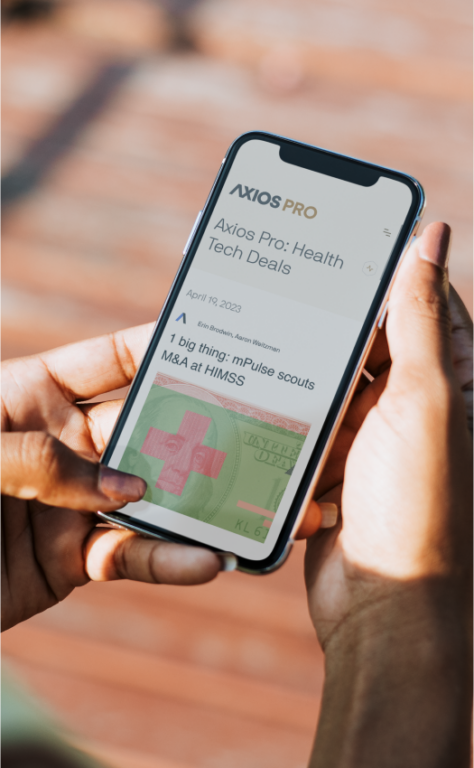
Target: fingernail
{"x":329,"y":513}
{"x":229,"y":561}
{"x":434,"y":244}
{"x":120,"y":486}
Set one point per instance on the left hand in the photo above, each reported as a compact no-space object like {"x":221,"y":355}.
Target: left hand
{"x":52,"y":483}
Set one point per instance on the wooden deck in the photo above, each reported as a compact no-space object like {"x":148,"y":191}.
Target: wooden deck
{"x":229,"y":674}
{"x":224,"y":674}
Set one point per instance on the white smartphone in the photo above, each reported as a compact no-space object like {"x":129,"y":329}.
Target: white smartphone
{"x":259,"y":346}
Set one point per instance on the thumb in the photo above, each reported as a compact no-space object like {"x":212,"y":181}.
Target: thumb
{"x":419,"y":325}
{"x":36,"y":465}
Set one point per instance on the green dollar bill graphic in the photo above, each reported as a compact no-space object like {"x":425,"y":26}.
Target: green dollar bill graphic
{"x":213,"y":463}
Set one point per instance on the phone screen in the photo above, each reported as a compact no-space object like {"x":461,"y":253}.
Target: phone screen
{"x":254,"y":348}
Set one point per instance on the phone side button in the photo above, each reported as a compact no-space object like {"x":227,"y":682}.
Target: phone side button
{"x":191,"y":234}
{"x":383,"y":316}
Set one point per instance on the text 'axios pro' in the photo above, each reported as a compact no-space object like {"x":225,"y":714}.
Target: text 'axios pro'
{"x":265,"y":198}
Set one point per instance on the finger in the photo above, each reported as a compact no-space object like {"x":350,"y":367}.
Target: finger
{"x":90,"y":368}
{"x":361,"y":404}
{"x":321,"y":544}
{"x":418,"y":324}
{"x":462,"y":329}
{"x":461,"y":335}
{"x":114,"y":554}
{"x":36,"y":465}
{"x":379,"y":357}
{"x":101,"y":418}
{"x":318,"y":515}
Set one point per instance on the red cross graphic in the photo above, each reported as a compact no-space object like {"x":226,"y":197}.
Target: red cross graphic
{"x":183,"y":453}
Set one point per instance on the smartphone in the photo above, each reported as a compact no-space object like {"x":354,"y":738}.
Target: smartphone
{"x":259,"y":346}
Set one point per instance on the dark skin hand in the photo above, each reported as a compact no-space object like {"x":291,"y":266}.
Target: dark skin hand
{"x":390,"y":587}
{"x":329,"y":488}
{"x":51,"y":483}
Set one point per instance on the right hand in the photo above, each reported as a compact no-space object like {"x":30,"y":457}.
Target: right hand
{"x":390,"y":588}
{"x":323,"y":511}
{"x":402,"y":458}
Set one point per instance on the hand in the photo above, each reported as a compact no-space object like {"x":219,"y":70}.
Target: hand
{"x":389,"y":589}
{"x":323,"y":513}
{"x":52,"y":483}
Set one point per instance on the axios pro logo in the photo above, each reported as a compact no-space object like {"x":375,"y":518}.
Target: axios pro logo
{"x":264,"y":198}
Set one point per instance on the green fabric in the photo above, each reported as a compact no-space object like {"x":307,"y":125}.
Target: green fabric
{"x":26,"y":723}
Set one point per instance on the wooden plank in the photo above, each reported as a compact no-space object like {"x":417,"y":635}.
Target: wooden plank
{"x":168,"y":729}
{"x":210,"y":639}
{"x":124,"y":668}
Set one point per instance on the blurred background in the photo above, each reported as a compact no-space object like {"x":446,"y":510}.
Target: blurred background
{"x":116,"y":116}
